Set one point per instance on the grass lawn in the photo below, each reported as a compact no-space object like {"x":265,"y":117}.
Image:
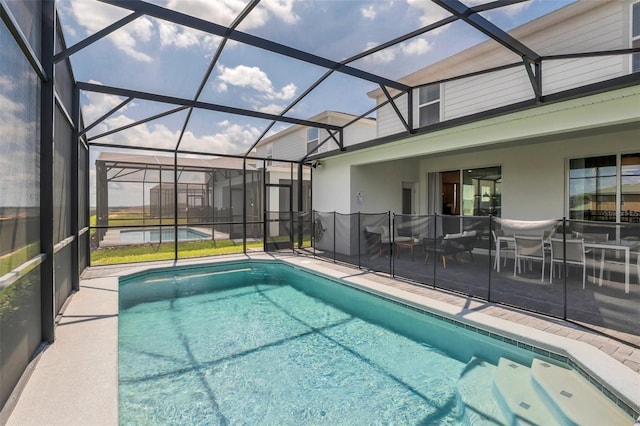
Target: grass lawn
{"x":12,"y":260}
{"x":149,"y":252}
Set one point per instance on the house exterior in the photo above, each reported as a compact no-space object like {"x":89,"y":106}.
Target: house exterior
{"x":297,"y":141}
{"x":488,"y":144}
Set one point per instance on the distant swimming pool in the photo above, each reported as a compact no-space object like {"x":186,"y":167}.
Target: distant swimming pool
{"x":267,"y":343}
{"x":156,"y":235}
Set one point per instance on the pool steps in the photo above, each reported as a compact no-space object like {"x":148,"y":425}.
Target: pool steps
{"x":474,"y":394}
{"x":573,"y":397}
{"x":545,"y":394}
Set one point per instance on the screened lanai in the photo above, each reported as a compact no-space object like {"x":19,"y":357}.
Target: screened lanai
{"x":131,"y":130}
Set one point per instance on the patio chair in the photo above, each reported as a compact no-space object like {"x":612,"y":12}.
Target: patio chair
{"x":450,"y":245}
{"x":528,"y":248}
{"x":506,"y":247}
{"x":574,"y":254}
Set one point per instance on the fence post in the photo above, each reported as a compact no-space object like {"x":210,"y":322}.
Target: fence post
{"x":334,"y":236}
{"x":358,"y":236}
{"x":313,"y":232}
{"x":435,"y":246}
{"x":491,"y":243}
{"x":564,"y":266}
{"x":390,"y":242}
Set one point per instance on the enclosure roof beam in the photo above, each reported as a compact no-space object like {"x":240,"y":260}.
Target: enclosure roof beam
{"x":110,"y":90}
{"x":375,"y":49}
{"x":104,"y":117}
{"x":95,"y":37}
{"x":248,"y":39}
{"x":245,"y":12}
{"x":477,"y":21}
{"x":145,"y":120}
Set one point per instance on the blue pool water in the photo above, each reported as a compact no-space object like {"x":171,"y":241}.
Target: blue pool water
{"x":266,"y":343}
{"x":167,"y":234}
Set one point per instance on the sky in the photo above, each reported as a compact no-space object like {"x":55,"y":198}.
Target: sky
{"x":159,"y":57}
{"x":156,"y":56}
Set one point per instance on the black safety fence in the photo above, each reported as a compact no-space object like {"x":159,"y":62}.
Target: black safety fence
{"x":581,"y":271}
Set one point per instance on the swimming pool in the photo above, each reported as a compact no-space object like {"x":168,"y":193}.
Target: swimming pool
{"x":265,"y":343}
{"x":166,"y":234}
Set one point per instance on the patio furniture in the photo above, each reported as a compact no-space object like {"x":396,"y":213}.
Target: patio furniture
{"x":573,"y":253}
{"x":410,"y":244}
{"x":378,"y":236}
{"x":450,"y":245}
{"x":528,"y":248}
{"x":626,"y":251}
{"x":504,"y":245}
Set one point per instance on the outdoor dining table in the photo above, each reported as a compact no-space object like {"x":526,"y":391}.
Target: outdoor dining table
{"x":596,"y":246}
{"x":627,"y":259}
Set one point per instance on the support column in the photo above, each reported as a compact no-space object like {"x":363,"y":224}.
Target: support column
{"x":47,"y":99}
{"x":75,"y":117}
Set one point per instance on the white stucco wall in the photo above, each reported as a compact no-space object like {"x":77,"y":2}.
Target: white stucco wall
{"x":532,"y":147}
{"x":381,"y":185}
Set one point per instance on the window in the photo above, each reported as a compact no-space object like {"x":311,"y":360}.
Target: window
{"x":630,"y":188}
{"x":429,"y":104}
{"x":312,"y":139}
{"x":482,"y":191}
{"x":605,"y":188}
{"x":635,"y":36}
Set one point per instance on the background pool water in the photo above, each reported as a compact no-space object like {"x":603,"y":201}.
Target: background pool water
{"x":274,"y":345}
{"x":155,"y":235}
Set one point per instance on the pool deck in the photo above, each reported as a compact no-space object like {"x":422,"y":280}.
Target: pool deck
{"x":75,"y":381}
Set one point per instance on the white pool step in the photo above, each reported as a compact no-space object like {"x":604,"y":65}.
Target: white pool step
{"x":573,"y":398}
{"x":518,"y":398}
{"x":475,"y":398}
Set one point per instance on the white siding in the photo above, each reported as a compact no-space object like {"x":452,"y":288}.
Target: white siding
{"x":568,"y":74}
{"x":357,"y":133}
{"x":600,"y":28}
{"x":388,"y":121}
{"x":292,"y":146}
{"x":485,"y":92}
{"x":603,"y":27}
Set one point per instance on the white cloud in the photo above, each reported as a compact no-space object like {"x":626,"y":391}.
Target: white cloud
{"x":368,"y":12}
{"x":514,"y":9}
{"x":271,"y":109}
{"x":282,"y":9}
{"x":18,"y":159}
{"x":225,"y":11}
{"x":429,"y":12}
{"x":9,"y":107}
{"x":172,"y":35}
{"x":94,"y":16}
{"x":416,"y":47}
{"x":254,"y":78}
{"x":382,"y":57}
{"x":220,"y":11}
{"x":98,"y":104}
{"x":6,"y":84}
{"x":230,"y":139}
{"x":233,"y":139}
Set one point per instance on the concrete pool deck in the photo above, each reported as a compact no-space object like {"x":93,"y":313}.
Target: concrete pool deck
{"x":75,"y":380}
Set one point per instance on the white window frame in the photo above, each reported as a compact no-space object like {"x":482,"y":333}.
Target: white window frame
{"x":433,"y":102}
